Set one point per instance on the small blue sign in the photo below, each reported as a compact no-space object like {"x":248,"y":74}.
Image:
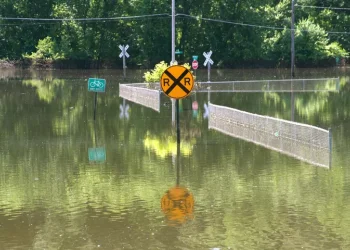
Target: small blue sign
{"x":178,"y":52}
{"x":97,"y":154}
{"x":96,"y":85}
{"x":195,"y":58}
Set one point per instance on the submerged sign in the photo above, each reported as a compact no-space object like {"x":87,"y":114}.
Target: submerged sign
{"x":96,"y":85}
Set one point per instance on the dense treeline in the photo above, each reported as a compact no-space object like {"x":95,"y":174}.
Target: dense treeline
{"x":321,"y":35}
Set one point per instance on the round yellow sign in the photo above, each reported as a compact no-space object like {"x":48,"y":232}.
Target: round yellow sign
{"x":177,"y":82}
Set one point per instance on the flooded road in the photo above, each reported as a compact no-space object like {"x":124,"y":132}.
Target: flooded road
{"x":69,"y":182}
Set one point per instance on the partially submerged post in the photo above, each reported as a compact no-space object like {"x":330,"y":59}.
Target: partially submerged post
{"x":124,"y":54}
{"x":96,"y":85}
{"x":208,"y":61}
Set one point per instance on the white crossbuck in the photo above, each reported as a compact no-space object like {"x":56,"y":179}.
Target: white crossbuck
{"x":124,"y":49}
{"x":207,"y":58}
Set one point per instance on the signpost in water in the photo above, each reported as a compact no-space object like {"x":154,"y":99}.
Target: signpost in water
{"x":124,"y":54}
{"x":96,"y":85}
{"x":208,"y":62}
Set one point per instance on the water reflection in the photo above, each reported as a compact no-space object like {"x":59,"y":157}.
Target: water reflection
{"x":246,"y":196}
{"x":165,"y":145}
{"x":178,"y":203}
{"x":97,"y":154}
{"x":124,"y":110}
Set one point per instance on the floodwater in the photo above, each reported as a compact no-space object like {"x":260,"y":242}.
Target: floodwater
{"x":69,"y":182}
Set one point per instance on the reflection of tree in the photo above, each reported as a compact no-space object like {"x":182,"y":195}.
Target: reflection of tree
{"x":315,"y":108}
{"x":164,"y":146}
{"x":46,"y":89}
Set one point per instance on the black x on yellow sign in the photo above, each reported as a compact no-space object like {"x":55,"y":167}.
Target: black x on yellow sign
{"x":177,"y":82}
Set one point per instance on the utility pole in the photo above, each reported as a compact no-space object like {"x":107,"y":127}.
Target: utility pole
{"x":174,"y":103}
{"x":292,"y":31}
{"x":172,"y":62}
{"x":172,"y":31}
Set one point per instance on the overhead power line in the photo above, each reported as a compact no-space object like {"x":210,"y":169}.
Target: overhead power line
{"x":252,"y":25}
{"x":81,"y":19}
{"x":98,"y":19}
{"x":230,"y":22}
{"x":320,"y":7}
{"x":25,"y":24}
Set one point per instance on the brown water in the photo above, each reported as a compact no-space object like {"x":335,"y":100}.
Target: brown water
{"x":225,"y":193}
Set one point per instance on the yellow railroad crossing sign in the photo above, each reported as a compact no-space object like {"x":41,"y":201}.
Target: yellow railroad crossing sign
{"x":177,"y":82}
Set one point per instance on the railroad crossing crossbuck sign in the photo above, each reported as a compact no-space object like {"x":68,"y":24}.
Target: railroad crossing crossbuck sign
{"x":123,"y":49}
{"x":207,"y":58}
{"x":177,"y":82}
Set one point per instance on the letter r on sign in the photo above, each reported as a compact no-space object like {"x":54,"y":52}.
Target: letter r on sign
{"x":187,"y":81}
{"x":166,"y":81}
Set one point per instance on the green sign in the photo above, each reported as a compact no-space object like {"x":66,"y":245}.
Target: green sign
{"x":97,"y":154}
{"x":178,"y":52}
{"x":97,"y":85}
{"x":195,"y":58}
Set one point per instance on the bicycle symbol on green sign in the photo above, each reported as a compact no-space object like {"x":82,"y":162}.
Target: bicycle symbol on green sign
{"x":96,"y":85}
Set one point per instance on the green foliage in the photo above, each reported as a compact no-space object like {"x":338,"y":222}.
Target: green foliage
{"x":46,"y":49}
{"x":334,"y":49}
{"x":312,"y":43}
{"x":155,"y":74}
{"x":233,"y":44}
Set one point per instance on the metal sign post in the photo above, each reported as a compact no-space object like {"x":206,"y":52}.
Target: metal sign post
{"x":177,"y":82}
{"x":195,"y":65}
{"x":172,"y":32}
{"x":96,"y":85}
{"x":208,"y":62}
{"x":124,"y":54}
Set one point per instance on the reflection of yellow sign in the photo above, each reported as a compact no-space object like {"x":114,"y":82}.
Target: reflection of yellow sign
{"x":177,"y":82}
{"x":177,"y":204}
